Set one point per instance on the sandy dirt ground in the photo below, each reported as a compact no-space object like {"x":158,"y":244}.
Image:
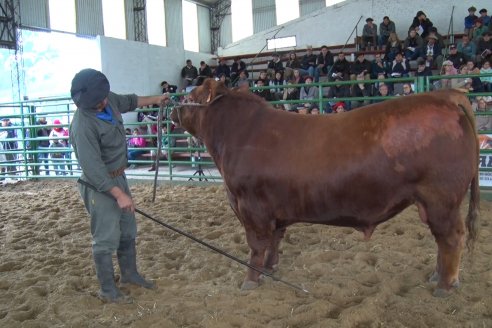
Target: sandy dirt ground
{"x":47,"y":278}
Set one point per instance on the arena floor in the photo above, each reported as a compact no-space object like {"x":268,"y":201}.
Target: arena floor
{"x":47,"y":278}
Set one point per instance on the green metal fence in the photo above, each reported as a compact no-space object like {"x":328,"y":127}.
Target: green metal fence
{"x":187,"y":161}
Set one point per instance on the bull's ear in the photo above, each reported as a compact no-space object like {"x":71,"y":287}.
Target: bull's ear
{"x":209,"y":98}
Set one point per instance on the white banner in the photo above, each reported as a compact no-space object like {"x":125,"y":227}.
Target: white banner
{"x":485,"y":160}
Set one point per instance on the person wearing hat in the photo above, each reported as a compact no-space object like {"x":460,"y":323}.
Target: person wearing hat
{"x":98,"y":138}
{"x":431,"y":52}
{"x":485,"y":17}
{"x":369,"y":34}
{"x":448,"y":69}
{"x":423,"y":24}
{"x":470,"y":20}
{"x":457,"y":58}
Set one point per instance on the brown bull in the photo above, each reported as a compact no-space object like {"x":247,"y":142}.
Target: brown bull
{"x":355,"y":169}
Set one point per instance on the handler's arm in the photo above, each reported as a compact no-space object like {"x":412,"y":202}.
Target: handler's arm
{"x":152,"y":100}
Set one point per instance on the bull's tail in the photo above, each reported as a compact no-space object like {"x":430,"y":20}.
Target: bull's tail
{"x":474,"y":204}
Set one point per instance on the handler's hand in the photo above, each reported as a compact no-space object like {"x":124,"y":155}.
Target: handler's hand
{"x":125,"y":202}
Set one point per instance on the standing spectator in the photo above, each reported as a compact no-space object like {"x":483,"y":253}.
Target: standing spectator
{"x":58,"y":140}
{"x":431,"y":52}
{"x":470,"y":20}
{"x":392,"y":47}
{"x":204,"y":72}
{"x":222,"y":69}
{"x":275,"y":65}
{"x":484,"y":47}
{"x":369,"y":34}
{"x":8,"y":145}
{"x":189,"y":73}
{"x":237,"y":66}
{"x":467,"y":48}
{"x":385,"y":28}
{"x":308,"y":62}
{"x":324,"y":63}
{"x":456,"y":57}
{"x":341,"y":68}
{"x":43,"y":145}
{"x":485,"y":17}
{"x":486,"y":80}
{"x":423,"y":24}
{"x":412,"y":45}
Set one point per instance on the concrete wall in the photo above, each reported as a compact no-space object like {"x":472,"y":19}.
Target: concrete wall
{"x":333,"y":25}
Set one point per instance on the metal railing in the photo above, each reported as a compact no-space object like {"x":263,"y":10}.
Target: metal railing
{"x":185,"y":160}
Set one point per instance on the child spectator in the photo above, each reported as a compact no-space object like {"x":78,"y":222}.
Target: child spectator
{"x":485,"y":17}
{"x":136,"y":141}
{"x":486,"y":81}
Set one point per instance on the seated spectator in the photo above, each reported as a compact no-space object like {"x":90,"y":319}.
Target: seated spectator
{"x":456,"y":57}
{"x":423,"y":24}
{"x":360,"y":90}
{"x":275,"y":65}
{"x":238,"y":66}
{"x":263,"y":93}
{"x":308,"y":92}
{"x":263,"y":76}
{"x":407,"y":89}
{"x":385,"y":28}
{"x":297,"y":78}
{"x":338,"y":91}
{"x":338,"y":107}
{"x":324,"y":63}
{"x":204,"y":72}
{"x":440,"y":38}
{"x":315,"y":111}
{"x":377,"y":66}
{"x":243,"y":80}
{"x":167,"y":142}
{"x":483,"y":122}
{"x":136,"y":141}
{"x":467,"y":48}
{"x":341,"y":68}
{"x":431,"y":52}
{"x":189,"y":73}
{"x":478,"y":30}
{"x":291,"y":93}
{"x":412,"y":45}
{"x":476,"y":83}
{"x":383,"y":91}
{"x":222,"y":69}
{"x":448,"y":69}
{"x":361,"y":66}
{"x":308,"y":62}
{"x":393,"y":46}
{"x":277,"y":93}
{"x":399,"y":67}
{"x":422,"y":68}
{"x":168,"y":88}
{"x":485,"y":17}
{"x":470,"y":21}
{"x":486,"y":81}
{"x":369,"y":34}
{"x":223,"y":78}
{"x":292,"y":63}
{"x":484,"y":47}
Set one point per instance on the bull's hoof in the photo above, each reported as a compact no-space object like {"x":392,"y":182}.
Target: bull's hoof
{"x":434,"y":278}
{"x":441,"y":293}
{"x":249,"y":285}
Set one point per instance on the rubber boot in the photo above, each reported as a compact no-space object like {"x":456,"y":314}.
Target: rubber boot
{"x":127,"y":259}
{"x":105,"y":274}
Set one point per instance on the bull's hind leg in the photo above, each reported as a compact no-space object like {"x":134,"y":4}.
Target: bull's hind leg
{"x":271,"y":257}
{"x":258,"y":247}
{"x":449,"y":232}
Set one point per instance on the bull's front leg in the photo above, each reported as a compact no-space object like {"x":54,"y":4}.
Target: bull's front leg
{"x":258,"y":247}
{"x":272,"y":257}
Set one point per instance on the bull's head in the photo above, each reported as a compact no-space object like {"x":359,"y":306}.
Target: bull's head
{"x":188,"y":113}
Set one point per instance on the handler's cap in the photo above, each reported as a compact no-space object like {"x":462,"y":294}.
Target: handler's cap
{"x":89,"y":88}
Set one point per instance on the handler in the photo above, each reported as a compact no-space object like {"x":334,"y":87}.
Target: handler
{"x":98,"y":138}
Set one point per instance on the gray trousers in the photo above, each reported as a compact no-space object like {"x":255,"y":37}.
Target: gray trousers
{"x":109,"y":223}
